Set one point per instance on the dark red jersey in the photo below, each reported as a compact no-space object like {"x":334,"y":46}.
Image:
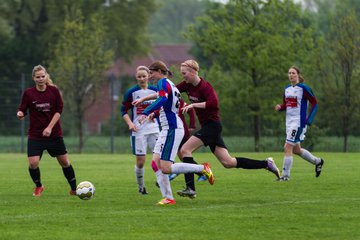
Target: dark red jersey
{"x":191,"y":119}
{"x":203,"y":92}
{"x":42,"y":107}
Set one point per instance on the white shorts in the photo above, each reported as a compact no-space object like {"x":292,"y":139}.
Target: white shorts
{"x":140,"y":143}
{"x":295,"y":135}
{"x":168,"y":143}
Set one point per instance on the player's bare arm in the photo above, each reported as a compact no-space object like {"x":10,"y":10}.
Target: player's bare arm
{"x":148,"y":97}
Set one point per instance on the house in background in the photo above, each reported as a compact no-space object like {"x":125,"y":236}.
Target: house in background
{"x":106,"y":103}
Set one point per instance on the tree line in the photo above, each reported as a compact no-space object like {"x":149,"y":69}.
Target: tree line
{"x":244,"y":48}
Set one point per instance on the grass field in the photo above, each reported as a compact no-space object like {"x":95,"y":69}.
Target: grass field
{"x":242,"y":204}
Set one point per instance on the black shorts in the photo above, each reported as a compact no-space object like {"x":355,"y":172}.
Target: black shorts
{"x":54,"y":146}
{"x":210,"y":135}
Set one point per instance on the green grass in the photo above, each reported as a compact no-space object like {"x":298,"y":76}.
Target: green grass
{"x":242,"y":204}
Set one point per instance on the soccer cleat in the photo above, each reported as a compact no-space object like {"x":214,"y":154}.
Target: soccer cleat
{"x":172,"y":176}
{"x":187,"y":192}
{"x":208,"y":173}
{"x":72,"y":192}
{"x":283,"y":179}
{"x":143,"y":191}
{"x":318,"y":168}
{"x":37,"y":191}
{"x":271,"y":166}
{"x":201,"y":178}
{"x":166,"y":201}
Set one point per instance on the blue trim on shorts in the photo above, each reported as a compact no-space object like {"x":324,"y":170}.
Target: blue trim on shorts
{"x":133,"y":144}
{"x":168,"y":146}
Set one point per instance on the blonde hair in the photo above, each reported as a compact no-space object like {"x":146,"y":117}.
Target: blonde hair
{"x":41,"y":68}
{"x":191,"y":64}
{"x":301,"y":78}
{"x":145,"y":68}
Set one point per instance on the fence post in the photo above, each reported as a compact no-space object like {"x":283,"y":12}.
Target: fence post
{"x":112,"y":80}
{"x":22,"y":81}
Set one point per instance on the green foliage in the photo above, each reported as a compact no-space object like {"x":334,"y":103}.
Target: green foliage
{"x":80,"y":59}
{"x":127,"y":23}
{"x":338,"y":70}
{"x":171,"y":19}
{"x":254,"y":44}
{"x":242,"y":204}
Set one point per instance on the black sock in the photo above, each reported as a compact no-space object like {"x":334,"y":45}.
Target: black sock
{"x":35,"y":176}
{"x":70,"y":176}
{"x":248,"y":163}
{"x":189,"y":177}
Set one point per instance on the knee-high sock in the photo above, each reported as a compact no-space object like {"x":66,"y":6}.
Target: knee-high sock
{"x":164,"y":184}
{"x":189,"y":177}
{"x":288,"y":160}
{"x":35,"y":176}
{"x":69,"y":174}
{"x":305,"y":154}
{"x":186,"y":168}
{"x":163,"y":181}
{"x":248,"y":163}
{"x":139,"y":174}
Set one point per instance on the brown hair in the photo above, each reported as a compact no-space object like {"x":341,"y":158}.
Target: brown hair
{"x":191,"y":64}
{"x":160,"y":65}
{"x":41,"y":68}
{"x":301,"y":78}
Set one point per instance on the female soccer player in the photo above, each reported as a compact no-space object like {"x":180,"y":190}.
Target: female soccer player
{"x":172,"y":132}
{"x":146,"y":134}
{"x":45,"y":106}
{"x":205,"y":102}
{"x":296,"y":98}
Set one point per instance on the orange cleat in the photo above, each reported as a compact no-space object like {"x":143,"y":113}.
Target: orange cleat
{"x":208,"y":173}
{"x":37,"y":191}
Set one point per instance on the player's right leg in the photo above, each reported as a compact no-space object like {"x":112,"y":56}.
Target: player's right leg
{"x":34,"y":152}
{"x":139,"y":147}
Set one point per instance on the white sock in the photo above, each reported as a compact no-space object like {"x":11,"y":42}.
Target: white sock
{"x":287,"y":166}
{"x":186,"y":168}
{"x":164,"y":184}
{"x":139,"y":174}
{"x":305,"y":154}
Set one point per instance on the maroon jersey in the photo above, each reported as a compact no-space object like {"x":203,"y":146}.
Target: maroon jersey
{"x":42,"y":107}
{"x":203,"y":92}
{"x":191,"y":118}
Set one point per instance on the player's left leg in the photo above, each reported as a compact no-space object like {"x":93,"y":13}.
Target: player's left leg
{"x":308,"y":156}
{"x":68,"y":171}
{"x":56,"y":148}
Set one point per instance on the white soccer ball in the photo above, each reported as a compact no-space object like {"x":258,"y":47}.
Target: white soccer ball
{"x":85,"y":190}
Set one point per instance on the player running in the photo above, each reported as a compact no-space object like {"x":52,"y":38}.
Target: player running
{"x":206,"y":104}
{"x":296,"y":98}
{"x":172,"y":132}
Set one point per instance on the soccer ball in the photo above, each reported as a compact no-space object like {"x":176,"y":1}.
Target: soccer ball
{"x":85,"y":190}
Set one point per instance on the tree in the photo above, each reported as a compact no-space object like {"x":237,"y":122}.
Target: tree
{"x":253,"y":41}
{"x":172,"y":19}
{"x":79,"y":62}
{"x":341,"y":80}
